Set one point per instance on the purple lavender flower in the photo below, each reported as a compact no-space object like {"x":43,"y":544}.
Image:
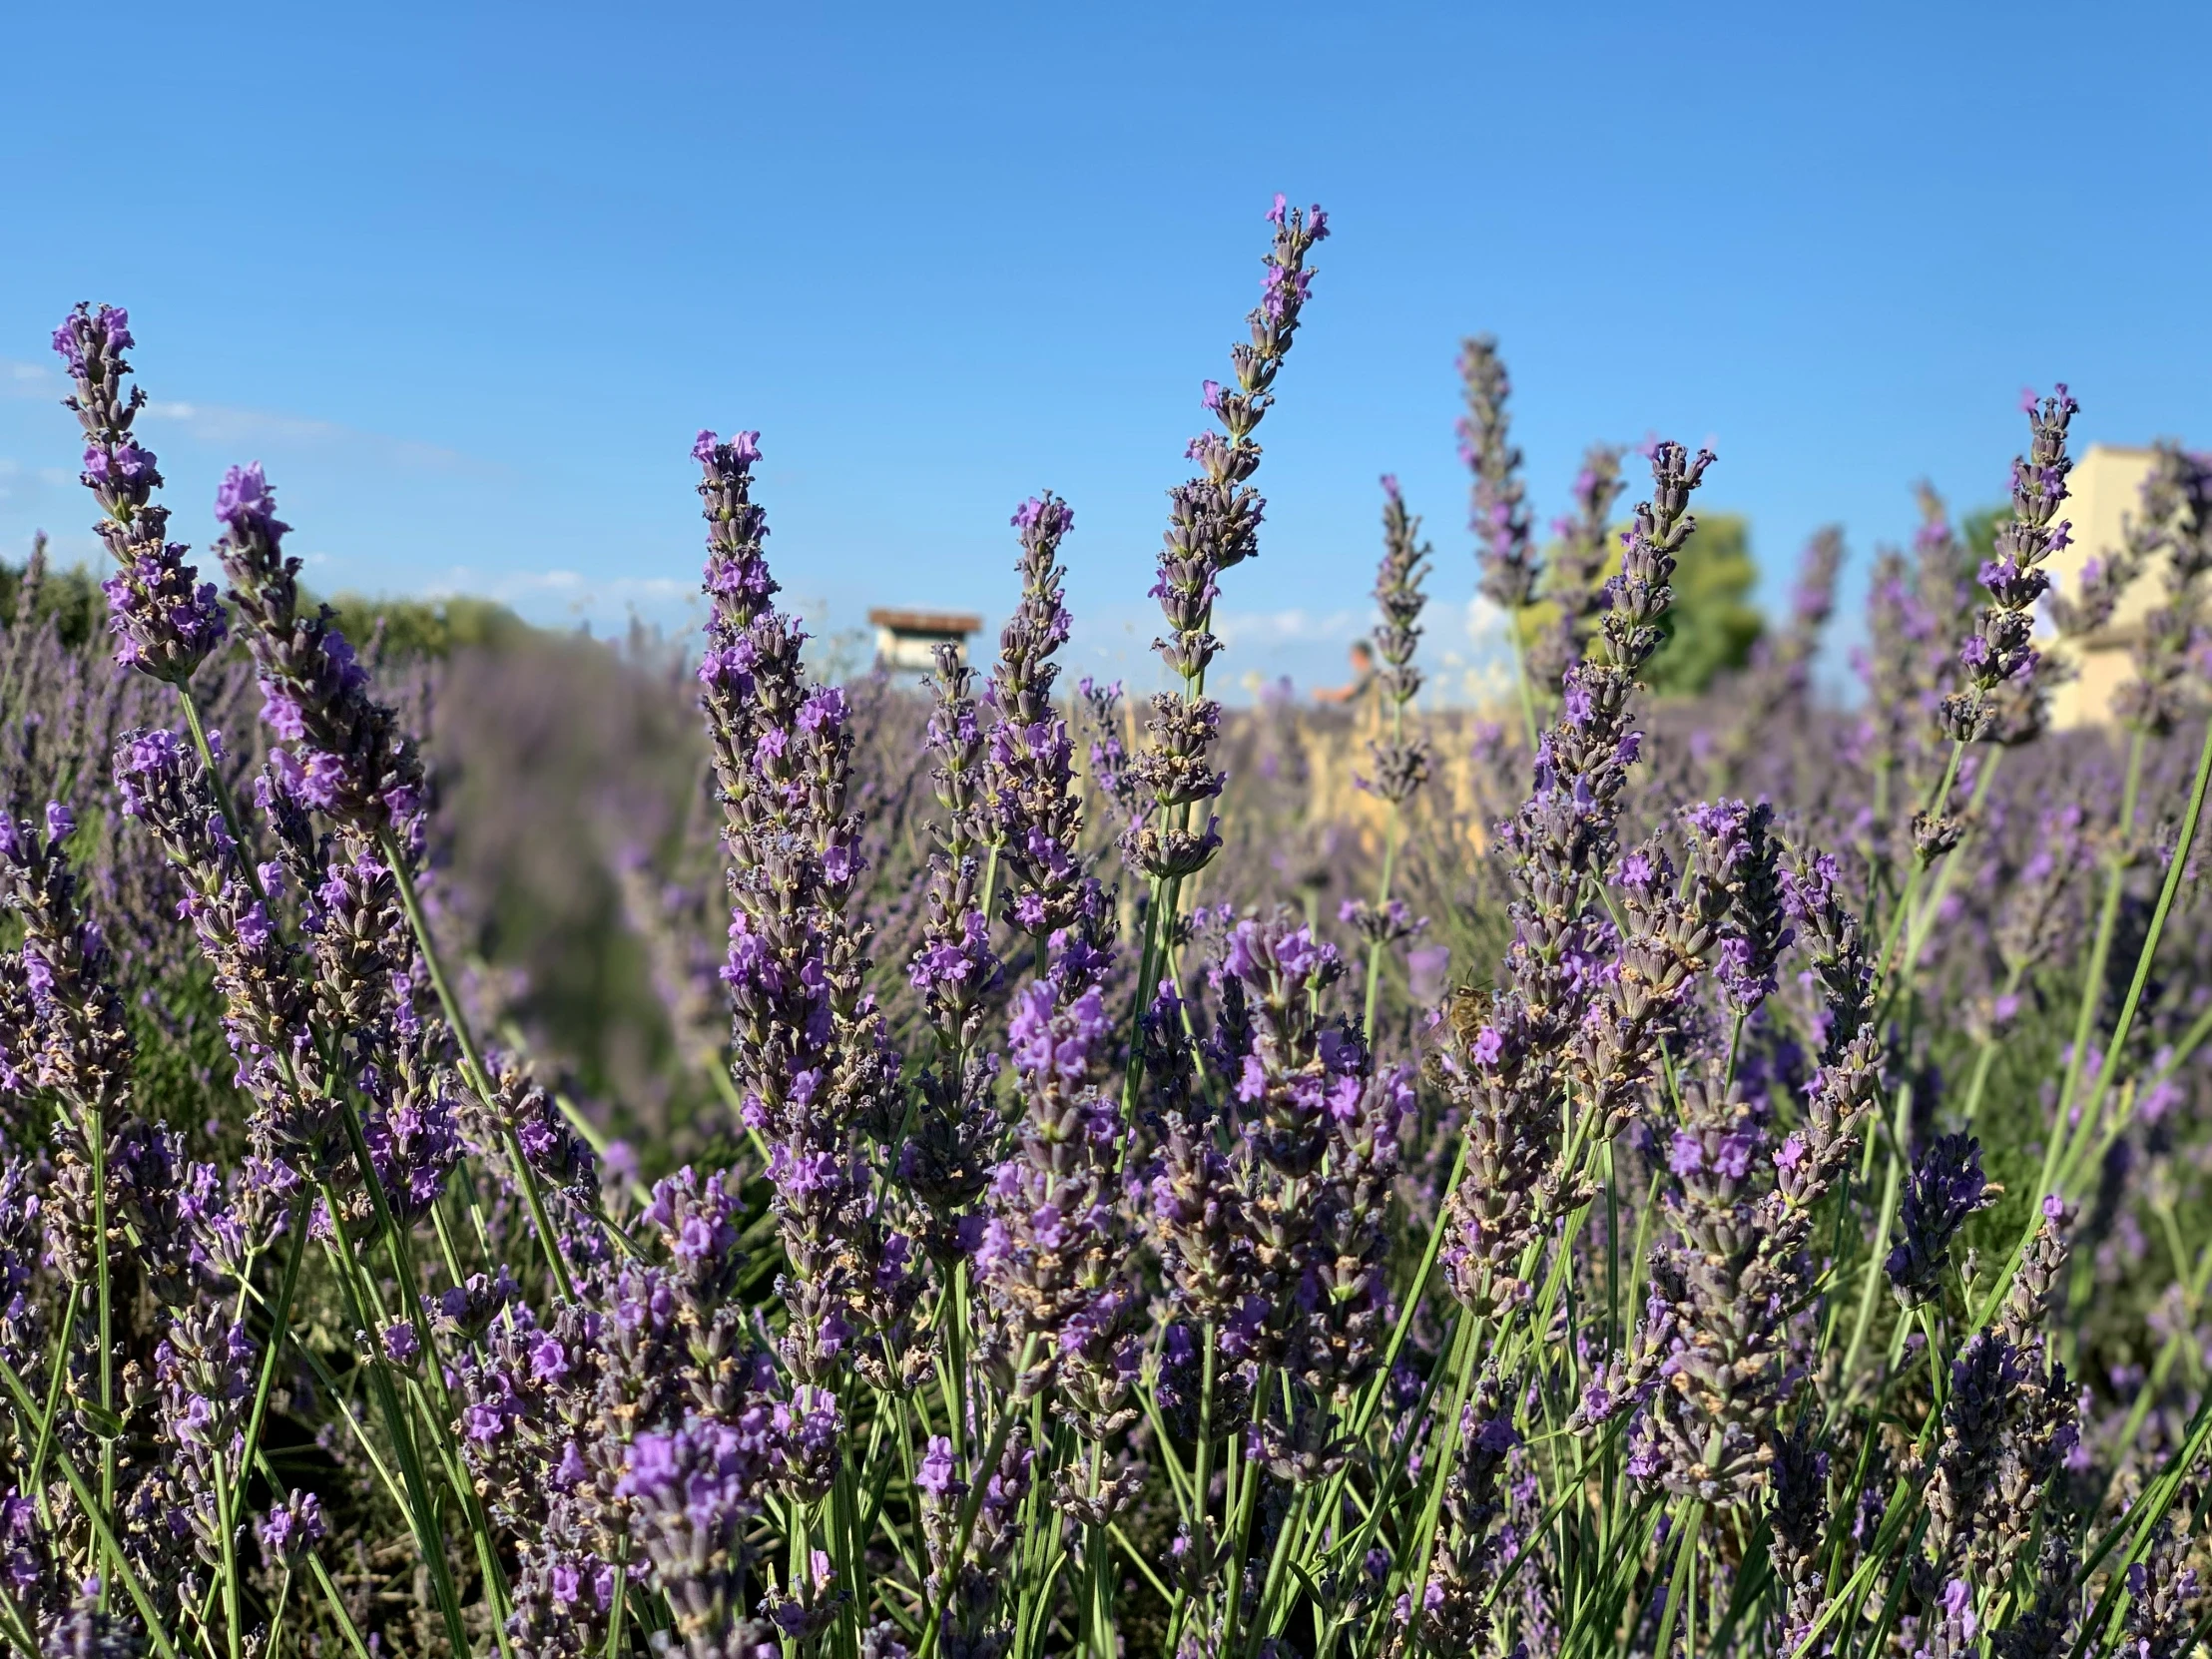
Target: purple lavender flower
{"x":1508,"y":1062}
{"x":164,"y":619}
{"x":1213,"y":523}
{"x":1054,"y":1254}
{"x":1573,"y":587}
{"x":1400,"y":763}
{"x":692,"y":1490}
{"x":1738,"y":846}
{"x":268,"y":1005}
{"x":84,"y":1048}
{"x":348,"y":756}
{"x":294,"y":1527}
{"x":204,"y":1370}
{"x":1454,"y":1611}
{"x":812,"y":1054}
{"x":1998,"y":654}
{"x":1035,"y":807}
{"x":1500,"y":519}
{"x":1946,"y":1186}
{"x":1797,"y":1521}
{"x":2166,"y":1598}
{"x":1951,"y":1626}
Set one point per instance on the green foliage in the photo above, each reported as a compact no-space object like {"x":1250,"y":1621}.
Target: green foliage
{"x":414,"y":628}
{"x":1713,"y":623}
{"x":1977,"y":539}
{"x":405,"y":628}
{"x":71,"y":597}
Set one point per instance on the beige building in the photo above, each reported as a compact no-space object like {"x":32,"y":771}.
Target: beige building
{"x":910,"y":639}
{"x":2102,"y":494}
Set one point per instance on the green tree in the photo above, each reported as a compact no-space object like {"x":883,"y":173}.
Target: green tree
{"x":70,"y":597}
{"x":429,"y":627}
{"x":1713,"y":623}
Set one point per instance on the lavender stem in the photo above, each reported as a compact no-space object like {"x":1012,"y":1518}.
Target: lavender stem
{"x":477,"y":1076}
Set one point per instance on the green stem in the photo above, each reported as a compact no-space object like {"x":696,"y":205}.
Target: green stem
{"x":1520,"y":678}
{"x":478,"y":1076}
{"x":1915,"y":934}
{"x":96,"y":1126}
{"x":2166,"y":892}
{"x":337,"y":1607}
{"x":1685,"y":1561}
{"x":429,"y":1538}
{"x":279,"y":1317}
{"x":2092,"y":985}
{"x":972,"y":1506}
{"x":97,"y":1514}
{"x":1448,"y":1449}
{"x":227,"y":1554}
{"x":1381,"y":905}
{"x":1872,"y":1283}
{"x":1904,"y":909}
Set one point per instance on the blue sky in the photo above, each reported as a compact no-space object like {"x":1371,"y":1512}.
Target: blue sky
{"x":468,"y":277}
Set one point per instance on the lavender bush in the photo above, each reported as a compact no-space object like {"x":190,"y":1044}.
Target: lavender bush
{"x":1704,"y":1180}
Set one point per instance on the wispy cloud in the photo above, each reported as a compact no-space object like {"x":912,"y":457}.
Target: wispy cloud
{"x":1290,"y":627}
{"x":24,"y":487}
{"x":224,"y":425}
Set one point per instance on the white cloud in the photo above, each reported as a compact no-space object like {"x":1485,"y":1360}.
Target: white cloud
{"x":1486,"y":623}
{"x":223,"y":424}
{"x":226,"y":425}
{"x":1290,"y":627}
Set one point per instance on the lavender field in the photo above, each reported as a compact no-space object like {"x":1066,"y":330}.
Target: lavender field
{"x":584,"y":1150}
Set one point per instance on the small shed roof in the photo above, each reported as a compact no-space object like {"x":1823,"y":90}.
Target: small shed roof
{"x":942,"y":624}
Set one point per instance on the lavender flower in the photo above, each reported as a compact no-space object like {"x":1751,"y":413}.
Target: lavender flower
{"x":268,"y":1005}
{"x":1400,"y":763}
{"x":84,"y":1049}
{"x":1035,"y":808}
{"x":1574,"y":585}
{"x":2009,"y":1419}
{"x":2165,"y":1598}
{"x":945,"y":1161}
{"x":693,"y":1489}
{"x":1744,"y":856}
{"x":204,"y":1370}
{"x":1945,"y":1189}
{"x":1510,"y":568}
{"x":1509,"y":1068}
{"x":1997,"y":653}
{"x":1213,"y":524}
{"x":1797,"y":1521}
{"x":969,"y":1585}
{"x":2045,"y":1628}
{"x":1315,"y":1156}
{"x":811,"y":1053}
{"x":1455,"y":1616}
{"x":1950,"y":1625}
{"x":294,"y":1527}
{"x":164,"y":619}
{"x":1054,"y":1254}
{"x":348,"y":757}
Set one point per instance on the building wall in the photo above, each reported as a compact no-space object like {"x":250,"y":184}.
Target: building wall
{"x":2104,"y":491}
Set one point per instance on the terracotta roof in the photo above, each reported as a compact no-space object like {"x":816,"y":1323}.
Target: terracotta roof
{"x":948,"y":624}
